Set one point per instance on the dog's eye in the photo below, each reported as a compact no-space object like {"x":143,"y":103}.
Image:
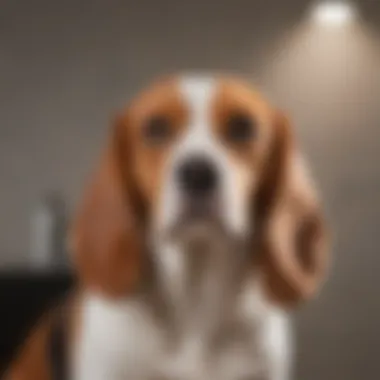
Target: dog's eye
{"x":158,"y":130}
{"x":240,"y":128}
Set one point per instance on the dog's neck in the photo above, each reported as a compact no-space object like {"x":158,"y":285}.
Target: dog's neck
{"x":201,"y":278}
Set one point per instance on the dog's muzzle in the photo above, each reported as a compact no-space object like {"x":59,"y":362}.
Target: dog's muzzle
{"x":198,"y":181}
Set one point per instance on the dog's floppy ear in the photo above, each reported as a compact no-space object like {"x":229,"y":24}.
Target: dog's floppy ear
{"x":292,"y":232}
{"x":106,"y":234}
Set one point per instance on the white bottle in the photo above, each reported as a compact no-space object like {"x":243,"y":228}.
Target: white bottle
{"x":48,"y":233}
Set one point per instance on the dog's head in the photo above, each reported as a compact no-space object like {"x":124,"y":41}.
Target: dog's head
{"x":201,"y":151}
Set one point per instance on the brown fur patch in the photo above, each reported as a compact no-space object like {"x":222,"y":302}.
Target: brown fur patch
{"x":108,"y":232}
{"x":291,"y":232}
{"x":162,"y":99}
{"x":33,"y":361}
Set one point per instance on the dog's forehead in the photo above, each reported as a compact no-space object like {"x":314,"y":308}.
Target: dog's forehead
{"x":198,"y":96}
{"x":192,"y":91}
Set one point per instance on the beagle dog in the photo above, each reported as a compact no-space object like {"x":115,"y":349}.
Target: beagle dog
{"x":198,"y":235}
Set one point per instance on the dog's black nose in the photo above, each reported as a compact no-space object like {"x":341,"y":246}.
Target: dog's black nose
{"x":198,"y":176}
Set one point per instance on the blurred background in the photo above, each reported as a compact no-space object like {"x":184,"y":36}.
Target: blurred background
{"x":65,"y":67}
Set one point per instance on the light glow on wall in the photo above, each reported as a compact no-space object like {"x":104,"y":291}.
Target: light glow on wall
{"x":334,"y":12}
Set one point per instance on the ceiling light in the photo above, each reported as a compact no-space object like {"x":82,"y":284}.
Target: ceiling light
{"x":334,"y":12}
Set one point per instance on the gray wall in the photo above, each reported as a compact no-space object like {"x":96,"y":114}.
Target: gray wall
{"x":65,"y":66}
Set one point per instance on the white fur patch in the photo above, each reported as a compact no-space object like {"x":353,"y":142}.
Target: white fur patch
{"x":120,"y":340}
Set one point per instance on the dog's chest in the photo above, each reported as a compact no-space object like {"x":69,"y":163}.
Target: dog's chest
{"x":124,"y":341}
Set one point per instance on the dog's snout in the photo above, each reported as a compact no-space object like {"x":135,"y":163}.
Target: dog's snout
{"x":198,"y":176}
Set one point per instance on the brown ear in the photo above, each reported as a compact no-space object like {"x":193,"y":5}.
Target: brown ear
{"x":292,"y":233}
{"x":106,"y":232}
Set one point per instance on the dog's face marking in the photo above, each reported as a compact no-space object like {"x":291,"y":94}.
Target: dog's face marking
{"x":201,"y":141}
{"x":194,"y":123}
